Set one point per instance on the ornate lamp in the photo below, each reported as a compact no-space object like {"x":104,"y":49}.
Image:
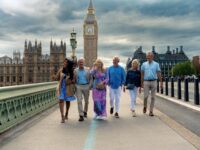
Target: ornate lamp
{"x":73,"y":43}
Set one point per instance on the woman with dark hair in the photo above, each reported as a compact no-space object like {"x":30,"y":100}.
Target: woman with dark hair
{"x":65,"y":90}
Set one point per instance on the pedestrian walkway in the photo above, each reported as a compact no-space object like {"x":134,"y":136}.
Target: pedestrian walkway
{"x":127,"y":133}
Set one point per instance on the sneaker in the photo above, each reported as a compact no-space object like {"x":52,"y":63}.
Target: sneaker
{"x":85,"y":114}
{"x":94,"y":116}
{"x":111,"y":110}
{"x":144,"y":110}
{"x":98,"y":117}
{"x":133,"y":114}
{"x":81,"y":119}
{"x":151,"y":114}
{"x":116,"y":115}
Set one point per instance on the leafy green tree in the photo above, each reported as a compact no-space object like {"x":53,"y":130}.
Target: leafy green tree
{"x":183,"y":69}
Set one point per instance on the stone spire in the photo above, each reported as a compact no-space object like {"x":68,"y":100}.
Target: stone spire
{"x":91,"y":5}
{"x":91,"y":9}
{"x":90,"y":18}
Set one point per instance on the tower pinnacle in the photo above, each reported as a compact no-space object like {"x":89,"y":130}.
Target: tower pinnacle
{"x":91,"y":5}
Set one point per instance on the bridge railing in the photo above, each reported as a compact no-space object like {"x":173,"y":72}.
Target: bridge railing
{"x":18,"y":103}
{"x":182,"y":90}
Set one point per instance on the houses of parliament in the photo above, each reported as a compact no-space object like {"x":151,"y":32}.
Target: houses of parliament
{"x":33,"y":67}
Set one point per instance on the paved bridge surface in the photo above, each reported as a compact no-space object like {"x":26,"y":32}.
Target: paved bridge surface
{"x":45,"y":132}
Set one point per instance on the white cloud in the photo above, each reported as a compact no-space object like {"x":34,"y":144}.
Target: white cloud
{"x":34,"y":8}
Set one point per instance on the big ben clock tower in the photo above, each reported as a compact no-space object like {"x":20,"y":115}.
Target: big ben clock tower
{"x":90,"y":35}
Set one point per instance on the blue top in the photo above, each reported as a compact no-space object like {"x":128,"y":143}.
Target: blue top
{"x":117,"y":76}
{"x":63,"y":93}
{"x":82,"y":76}
{"x":133,"y":77}
{"x":150,"y":70}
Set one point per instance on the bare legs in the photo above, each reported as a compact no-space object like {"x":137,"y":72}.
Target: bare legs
{"x":67,"y":109}
{"x":61,"y":105}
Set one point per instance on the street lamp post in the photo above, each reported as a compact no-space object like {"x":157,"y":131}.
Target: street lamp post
{"x":73,"y":43}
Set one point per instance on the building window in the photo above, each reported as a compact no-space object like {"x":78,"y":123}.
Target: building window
{"x":8,"y":79}
{"x":20,"y":70}
{"x":14,"y":79}
{"x":56,"y":68}
{"x":20,"y":79}
{"x":13,"y":70}
{"x":30,"y":79}
{"x":1,"y":70}
{"x":7,"y":69}
{"x":1,"y":79}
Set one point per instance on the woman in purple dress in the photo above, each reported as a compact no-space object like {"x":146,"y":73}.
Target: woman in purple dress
{"x":100,"y":77}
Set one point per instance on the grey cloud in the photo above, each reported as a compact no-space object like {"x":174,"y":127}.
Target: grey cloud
{"x":67,"y":9}
{"x":111,"y":24}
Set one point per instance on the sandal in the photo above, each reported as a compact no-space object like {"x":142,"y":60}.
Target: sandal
{"x":62,"y":119}
{"x":66,"y":116}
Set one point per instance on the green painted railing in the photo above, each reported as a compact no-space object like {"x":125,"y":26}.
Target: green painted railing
{"x":18,"y":103}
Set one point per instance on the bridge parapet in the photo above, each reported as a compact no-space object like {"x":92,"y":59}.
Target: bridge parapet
{"x":18,"y":103}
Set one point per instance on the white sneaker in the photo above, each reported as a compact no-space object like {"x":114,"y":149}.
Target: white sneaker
{"x":98,"y":117}
{"x":133,"y":114}
{"x":95,"y":116}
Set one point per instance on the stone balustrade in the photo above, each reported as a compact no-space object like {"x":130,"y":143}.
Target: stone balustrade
{"x":18,"y":103}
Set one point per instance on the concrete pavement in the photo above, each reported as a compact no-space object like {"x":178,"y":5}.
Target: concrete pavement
{"x":127,"y":133}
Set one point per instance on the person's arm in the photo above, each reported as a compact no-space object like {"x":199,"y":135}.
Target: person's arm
{"x":160,"y":79}
{"x":58,"y":76}
{"x":75,"y":76}
{"x":142,"y":76}
{"x":140,"y":85}
{"x":127,"y":77}
{"x":108,"y":73}
{"x":93,"y":70}
{"x":159,"y":76}
{"x":126,"y":81}
{"x":142,"y":79}
{"x":123,"y":76}
{"x":106,"y":80}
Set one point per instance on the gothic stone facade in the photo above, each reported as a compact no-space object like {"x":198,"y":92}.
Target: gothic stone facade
{"x":166,"y":60}
{"x":33,"y":67}
{"x":90,"y":35}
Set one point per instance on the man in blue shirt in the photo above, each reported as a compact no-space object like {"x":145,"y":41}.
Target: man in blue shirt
{"x":117,"y":77}
{"x":150,"y":72}
{"x":83,"y":82}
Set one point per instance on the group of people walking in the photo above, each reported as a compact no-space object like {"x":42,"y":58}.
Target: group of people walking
{"x":76,"y":83}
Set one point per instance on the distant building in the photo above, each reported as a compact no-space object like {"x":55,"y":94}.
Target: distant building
{"x":33,"y":67}
{"x":196,"y":63}
{"x":166,"y":60}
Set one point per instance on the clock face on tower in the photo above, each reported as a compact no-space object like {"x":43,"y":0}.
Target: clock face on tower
{"x":89,"y":30}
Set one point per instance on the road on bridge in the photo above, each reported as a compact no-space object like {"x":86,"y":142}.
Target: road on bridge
{"x":126,"y":133}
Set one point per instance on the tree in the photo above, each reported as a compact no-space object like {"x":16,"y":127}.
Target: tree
{"x":183,"y":69}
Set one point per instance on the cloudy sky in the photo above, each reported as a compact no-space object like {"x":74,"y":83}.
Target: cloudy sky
{"x":123,"y":24}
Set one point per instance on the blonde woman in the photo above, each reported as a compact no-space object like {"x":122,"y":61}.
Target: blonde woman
{"x":133,"y":82}
{"x":99,"y":89}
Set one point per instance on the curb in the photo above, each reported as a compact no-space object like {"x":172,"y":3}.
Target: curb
{"x":179,"y":102}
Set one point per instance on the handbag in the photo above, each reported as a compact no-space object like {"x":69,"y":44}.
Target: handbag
{"x":130,"y":86}
{"x":70,"y":88}
{"x":100,"y":86}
